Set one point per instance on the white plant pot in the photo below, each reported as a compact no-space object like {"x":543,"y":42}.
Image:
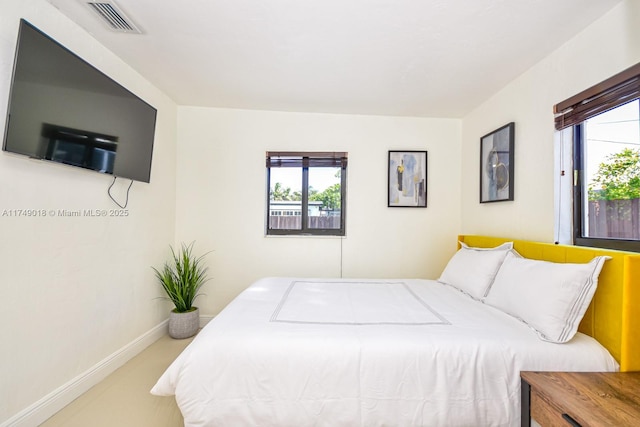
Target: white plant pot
{"x":184,"y":325}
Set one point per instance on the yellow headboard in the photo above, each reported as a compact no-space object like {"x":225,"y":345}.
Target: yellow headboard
{"x":613,"y":318}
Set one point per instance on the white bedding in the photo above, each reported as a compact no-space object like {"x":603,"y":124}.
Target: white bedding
{"x":301,"y":352}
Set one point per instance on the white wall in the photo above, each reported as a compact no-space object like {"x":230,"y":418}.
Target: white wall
{"x":76,"y":290}
{"x":222,"y":195}
{"x":605,"y":48}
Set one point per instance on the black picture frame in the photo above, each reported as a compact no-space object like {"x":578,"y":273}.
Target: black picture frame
{"x":407,"y":179}
{"x":497,"y":165}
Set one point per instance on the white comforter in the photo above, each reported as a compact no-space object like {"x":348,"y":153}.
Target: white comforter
{"x":300,"y":352}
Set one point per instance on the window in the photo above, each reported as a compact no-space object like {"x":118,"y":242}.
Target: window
{"x":605,"y":121}
{"x":608,"y":146}
{"x":306,"y":193}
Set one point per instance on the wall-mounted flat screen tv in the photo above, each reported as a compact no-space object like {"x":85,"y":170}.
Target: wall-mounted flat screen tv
{"x":64,"y":110}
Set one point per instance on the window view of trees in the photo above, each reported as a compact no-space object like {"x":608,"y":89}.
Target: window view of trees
{"x":618,"y":177}
{"x":330,"y":197}
{"x":306,"y":193}
{"x":280,"y":193}
{"x":612,"y":165}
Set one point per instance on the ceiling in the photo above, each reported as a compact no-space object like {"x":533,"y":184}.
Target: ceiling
{"x":429,"y":58}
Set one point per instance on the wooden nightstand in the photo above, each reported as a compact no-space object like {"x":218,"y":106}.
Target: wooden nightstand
{"x":581,"y":398}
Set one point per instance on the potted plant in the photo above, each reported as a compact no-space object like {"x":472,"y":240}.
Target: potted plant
{"x":182,"y":278}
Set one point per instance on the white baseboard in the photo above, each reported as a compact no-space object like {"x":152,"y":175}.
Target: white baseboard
{"x":44,"y":408}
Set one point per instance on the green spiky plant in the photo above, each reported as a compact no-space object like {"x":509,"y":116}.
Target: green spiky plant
{"x":182,"y":278}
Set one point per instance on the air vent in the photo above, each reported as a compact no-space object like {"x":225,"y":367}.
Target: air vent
{"x":113,"y":16}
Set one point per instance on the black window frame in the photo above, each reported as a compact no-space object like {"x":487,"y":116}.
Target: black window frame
{"x":579,"y":238}
{"x":611,"y":93}
{"x":306,"y":160}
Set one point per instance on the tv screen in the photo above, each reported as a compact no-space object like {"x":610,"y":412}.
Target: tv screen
{"x":64,"y":110}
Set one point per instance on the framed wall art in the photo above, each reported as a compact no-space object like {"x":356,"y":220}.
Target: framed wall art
{"x":407,"y":183}
{"x":496,"y":165}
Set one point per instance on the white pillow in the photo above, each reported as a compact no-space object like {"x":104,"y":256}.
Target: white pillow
{"x":550,"y":297}
{"x":472,"y":270}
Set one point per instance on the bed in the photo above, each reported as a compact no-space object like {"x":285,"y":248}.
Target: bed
{"x":404,"y":352}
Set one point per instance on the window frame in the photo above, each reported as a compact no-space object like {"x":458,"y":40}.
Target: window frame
{"x":579,"y":239}
{"x":309,"y":160}
{"x":611,"y":93}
